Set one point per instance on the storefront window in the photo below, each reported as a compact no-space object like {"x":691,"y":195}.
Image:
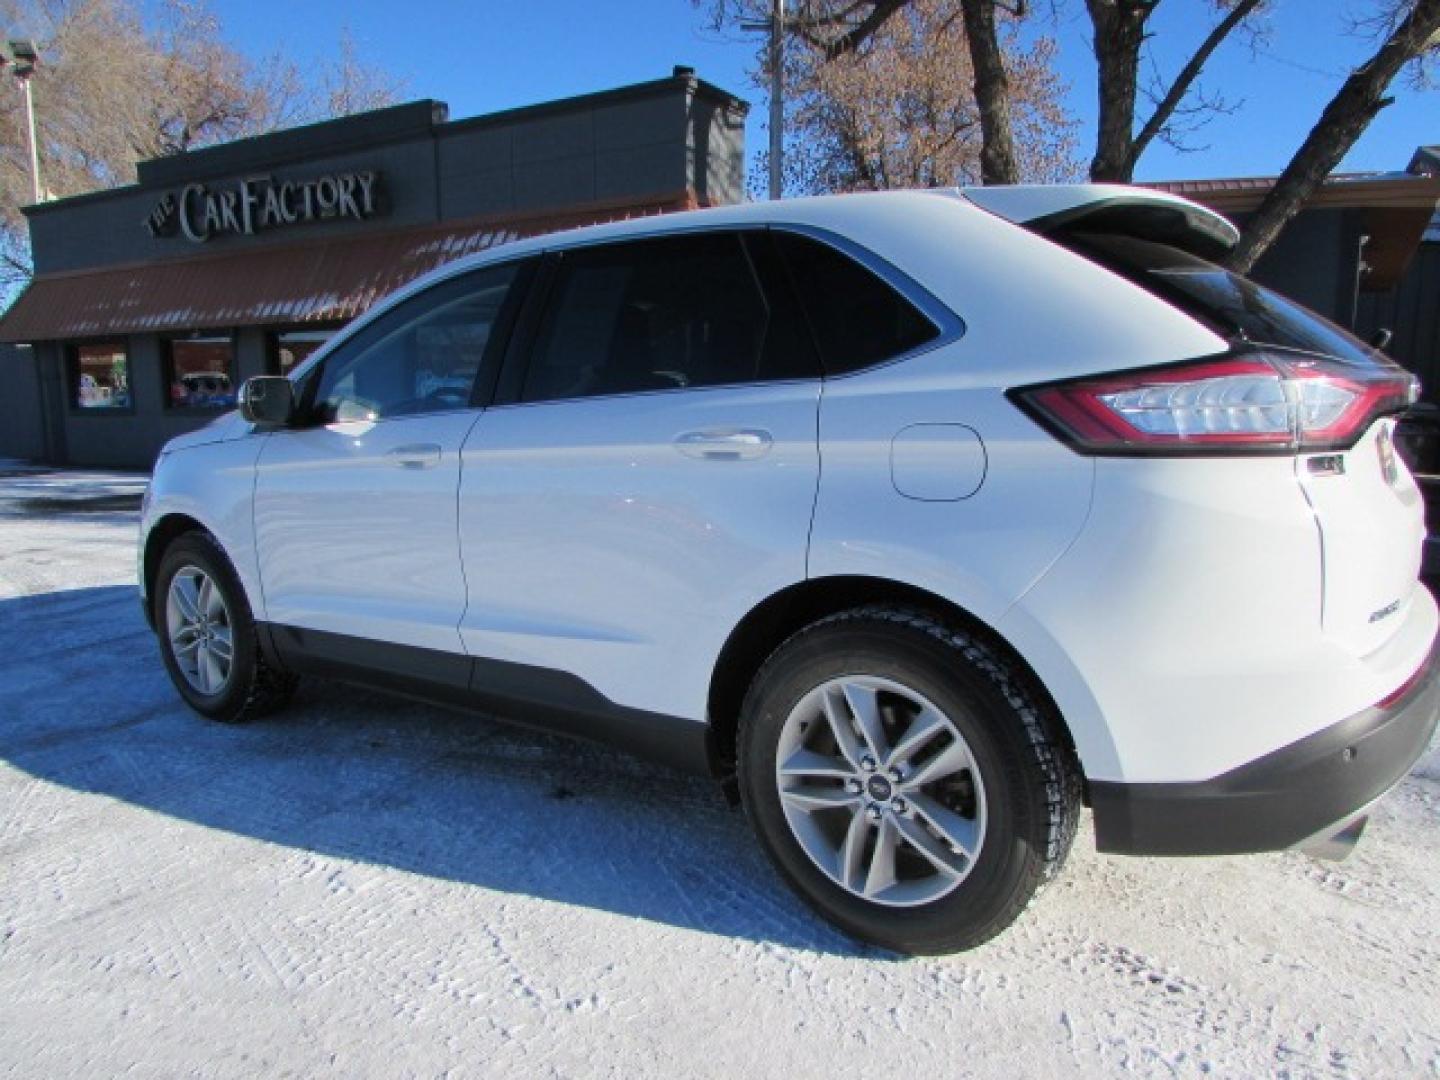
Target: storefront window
{"x":101,"y":376}
{"x":293,"y":348}
{"x":200,"y":372}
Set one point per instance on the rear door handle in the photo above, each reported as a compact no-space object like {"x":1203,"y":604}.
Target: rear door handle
{"x":415,"y":455}
{"x":725,"y":444}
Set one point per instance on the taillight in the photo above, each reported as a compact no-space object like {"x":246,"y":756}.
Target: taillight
{"x":1251,"y":402}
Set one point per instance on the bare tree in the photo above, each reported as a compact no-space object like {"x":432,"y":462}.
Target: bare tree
{"x":1414,"y":34}
{"x":349,"y":85}
{"x":883,"y":94}
{"x":1121,"y":28}
{"x":840,"y":28}
{"x":114,"y":87}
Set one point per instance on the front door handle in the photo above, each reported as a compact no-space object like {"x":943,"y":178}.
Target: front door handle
{"x":725,"y":444}
{"x":415,"y":455}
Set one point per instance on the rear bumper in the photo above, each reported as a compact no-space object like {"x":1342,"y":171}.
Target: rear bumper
{"x":1281,"y":800}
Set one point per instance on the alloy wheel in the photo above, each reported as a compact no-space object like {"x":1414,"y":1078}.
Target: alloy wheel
{"x":881,"y":790}
{"x":197,"y":622}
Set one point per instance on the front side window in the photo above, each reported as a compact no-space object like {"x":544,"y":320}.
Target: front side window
{"x":422,"y":357}
{"x":662,"y":314}
{"x":100,"y":376}
{"x":200,"y":372}
{"x":290,"y":349}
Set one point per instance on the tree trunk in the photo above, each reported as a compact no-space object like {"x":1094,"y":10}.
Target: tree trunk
{"x":1119,"y":27}
{"x":998,"y":164}
{"x":1342,"y":122}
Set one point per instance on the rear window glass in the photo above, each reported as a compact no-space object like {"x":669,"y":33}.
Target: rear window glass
{"x":682,"y":311}
{"x":858,"y":319}
{"x":1233,"y":305}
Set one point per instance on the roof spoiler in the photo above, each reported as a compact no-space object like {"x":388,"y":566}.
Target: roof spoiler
{"x":1113,"y":209}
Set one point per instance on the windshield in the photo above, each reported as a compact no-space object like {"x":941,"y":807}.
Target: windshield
{"x":1234,"y":306}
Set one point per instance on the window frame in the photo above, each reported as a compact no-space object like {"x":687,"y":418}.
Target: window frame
{"x":776,"y":296}
{"x":167,"y":370}
{"x":72,"y":377}
{"x":386,"y":321}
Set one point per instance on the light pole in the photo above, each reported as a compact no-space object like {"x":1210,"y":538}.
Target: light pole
{"x":20,"y":54}
{"x":776,"y":26}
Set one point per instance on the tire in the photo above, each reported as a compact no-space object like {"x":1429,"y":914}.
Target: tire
{"x":251,"y":686}
{"x":998,"y":781}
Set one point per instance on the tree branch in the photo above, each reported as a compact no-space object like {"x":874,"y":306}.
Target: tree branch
{"x":1344,"y":119}
{"x":1188,"y":74}
{"x":865,"y":29}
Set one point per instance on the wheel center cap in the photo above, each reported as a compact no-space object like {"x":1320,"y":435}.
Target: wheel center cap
{"x":879,"y":788}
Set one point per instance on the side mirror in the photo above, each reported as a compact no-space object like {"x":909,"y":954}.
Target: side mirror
{"x":1381,"y":338}
{"x":268,"y":400}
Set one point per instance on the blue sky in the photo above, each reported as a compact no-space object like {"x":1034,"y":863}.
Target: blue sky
{"x":494,"y":54}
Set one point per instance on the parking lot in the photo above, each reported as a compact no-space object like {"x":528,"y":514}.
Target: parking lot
{"x":368,"y":886}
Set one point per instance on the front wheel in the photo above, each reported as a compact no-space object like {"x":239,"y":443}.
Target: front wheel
{"x":207,"y":635}
{"x":904,"y":781}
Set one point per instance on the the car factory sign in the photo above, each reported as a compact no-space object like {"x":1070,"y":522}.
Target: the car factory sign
{"x":256,"y":203}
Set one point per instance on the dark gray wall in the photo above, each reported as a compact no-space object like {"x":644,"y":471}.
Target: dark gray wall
{"x":630,"y":149}
{"x":717,"y":151}
{"x":1412,"y":312}
{"x":1314,"y":262}
{"x":636,"y":143}
{"x":132,"y":440}
{"x":108,"y":229}
{"x":22,"y":422}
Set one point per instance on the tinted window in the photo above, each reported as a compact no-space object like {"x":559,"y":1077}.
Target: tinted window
{"x":200,"y":373}
{"x":422,"y":357}
{"x":290,"y":349}
{"x":99,"y":376}
{"x":664,"y":314}
{"x":858,"y":319}
{"x":1234,"y":306}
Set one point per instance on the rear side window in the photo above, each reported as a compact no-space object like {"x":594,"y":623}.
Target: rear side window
{"x":661,"y":314}
{"x":857,"y":317}
{"x":1234,"y":306}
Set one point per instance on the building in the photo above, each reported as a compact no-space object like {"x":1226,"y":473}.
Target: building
{"x":151,"y":303}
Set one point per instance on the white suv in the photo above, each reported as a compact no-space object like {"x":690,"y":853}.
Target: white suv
{"x":917,"y":519}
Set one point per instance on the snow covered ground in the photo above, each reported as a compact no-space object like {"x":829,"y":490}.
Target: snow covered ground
{"x":365,"y":886}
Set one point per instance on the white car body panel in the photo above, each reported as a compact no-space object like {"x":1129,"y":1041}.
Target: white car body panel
{"x":594,"y":543}
{"x":357,"y":529}
{"x":1182,"y":633}
{"x":1372,"y":530}
{"x":983,"y":551}
{"x":209,"y":477}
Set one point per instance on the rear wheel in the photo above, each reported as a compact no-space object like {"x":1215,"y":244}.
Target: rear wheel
{"x":904,"y":780}
{"x":207,"y":635}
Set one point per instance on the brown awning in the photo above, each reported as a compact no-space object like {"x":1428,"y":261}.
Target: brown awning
{"x":1243,"y":194}
{"x":314,"y":282}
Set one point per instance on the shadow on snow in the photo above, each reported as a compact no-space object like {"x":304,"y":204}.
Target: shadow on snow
{"x":84,"y":702}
